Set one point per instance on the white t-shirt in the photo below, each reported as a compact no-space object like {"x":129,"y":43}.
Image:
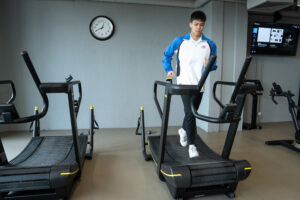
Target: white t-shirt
{"x":191,"y":56}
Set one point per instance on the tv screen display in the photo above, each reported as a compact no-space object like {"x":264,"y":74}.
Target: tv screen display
{"x":274,"y":38}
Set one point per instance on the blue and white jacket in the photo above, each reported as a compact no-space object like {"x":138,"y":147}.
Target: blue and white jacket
{"x":190,"y":58}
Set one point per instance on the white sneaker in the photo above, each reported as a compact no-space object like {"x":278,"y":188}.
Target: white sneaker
{"x":193,"y":151}
{"x":183,"y":138}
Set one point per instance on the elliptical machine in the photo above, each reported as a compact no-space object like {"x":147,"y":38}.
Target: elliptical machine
{"x":291,"y":144}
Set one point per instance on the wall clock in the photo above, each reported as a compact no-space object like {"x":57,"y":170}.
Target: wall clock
{"x":102,"y":28}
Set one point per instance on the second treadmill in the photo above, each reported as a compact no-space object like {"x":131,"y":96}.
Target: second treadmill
{"x":210,"y":173}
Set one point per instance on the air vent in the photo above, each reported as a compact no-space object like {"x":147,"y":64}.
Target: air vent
{"x":268,"y":6}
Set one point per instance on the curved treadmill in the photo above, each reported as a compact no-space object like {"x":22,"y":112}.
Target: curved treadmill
{"x":210,"y":173}
{"x":48,"y":165}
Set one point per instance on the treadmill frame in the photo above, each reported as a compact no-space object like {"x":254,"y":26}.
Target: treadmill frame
{"x":237,"y":102}
{"x":44,"y":89}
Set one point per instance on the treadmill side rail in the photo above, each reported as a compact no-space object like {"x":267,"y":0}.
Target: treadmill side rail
{"x":163,"y":136}
{"x":74,"y":128}
{"x":3,"y":159}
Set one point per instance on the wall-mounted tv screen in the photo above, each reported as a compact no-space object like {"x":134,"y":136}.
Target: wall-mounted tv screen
{"x":274,"y":38}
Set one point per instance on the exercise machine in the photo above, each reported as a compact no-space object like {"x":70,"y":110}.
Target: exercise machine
{"x":255,"y":94}
{"x":291,"y":144}
{"x":210,"y":173}
{"x":49,"y":165}
{"x":298,"y":113}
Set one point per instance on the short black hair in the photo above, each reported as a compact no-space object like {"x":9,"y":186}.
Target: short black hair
{"x":198,"y":15}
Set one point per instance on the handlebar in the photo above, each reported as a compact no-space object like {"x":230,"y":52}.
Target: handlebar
{"x":241,"y":79}
{"x":229,"y":108}
{"x":155,"y":96}
{"x":218,"y":120}
{"x":277,"y":91}
{"x":214,"y":90}
{"x":169,"y":79}
{"x":38,"y":84}
{"x":182,"y":89}
{"x":13,"y":94}
{"x":272,"y":94}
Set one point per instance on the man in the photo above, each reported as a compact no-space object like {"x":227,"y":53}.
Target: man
{"x":193,"y":51}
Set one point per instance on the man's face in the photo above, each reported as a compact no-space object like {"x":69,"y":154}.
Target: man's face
{"x":197,"y":27}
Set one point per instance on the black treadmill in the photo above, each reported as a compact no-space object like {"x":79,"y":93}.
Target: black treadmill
{"x":48,"y":166}
{"x":209,"y":173}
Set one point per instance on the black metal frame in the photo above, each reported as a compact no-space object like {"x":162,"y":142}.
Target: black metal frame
{"x":141,"y":127}
{"x":43,"y":89}
{"x":238,"y":98}
{"x":38,"y":84}
{"x":171,"y":89}
{"x":230,"y":114}
{"x":298,"y":113}
{"x":13,"y":93}
{"x":253,"y":124}
{"x":74,"y":105}
{"x":277,"y":91}
{"x":3,"y":158}
{"x":35,"y":124}
{"x":93,"y":125}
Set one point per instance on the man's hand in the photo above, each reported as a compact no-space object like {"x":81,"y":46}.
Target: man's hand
{"x":171,"y":74}
{"x":205,"y":61}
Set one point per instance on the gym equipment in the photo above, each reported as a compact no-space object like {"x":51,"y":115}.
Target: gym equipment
{"x":48,"y":166}
{"x":254,"y":95}
{"x":291,"y":144}
{"x":298,"y":113}
{"x":209,"y":173}
{"x":141,"y":126}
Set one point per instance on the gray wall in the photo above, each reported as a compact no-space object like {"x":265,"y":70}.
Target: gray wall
{"x":5,"y":91}
{"x":117,"y":75}
{"x":284,"y":70}
{"x":228,"y":28}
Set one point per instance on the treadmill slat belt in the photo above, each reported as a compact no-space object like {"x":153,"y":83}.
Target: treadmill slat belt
{"x":51,"y":151}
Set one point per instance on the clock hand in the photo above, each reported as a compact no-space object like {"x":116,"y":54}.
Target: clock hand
{"x":102,"y":26}
{"x":97,"y":29}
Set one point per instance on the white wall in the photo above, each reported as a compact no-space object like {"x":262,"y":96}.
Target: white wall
{"x":117,"y":75}
{"x":284,"y":70}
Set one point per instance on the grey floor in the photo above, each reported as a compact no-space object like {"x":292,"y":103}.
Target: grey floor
{"x":118,"y":170}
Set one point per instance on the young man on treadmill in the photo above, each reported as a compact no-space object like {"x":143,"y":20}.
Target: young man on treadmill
{"x":193,"y":51}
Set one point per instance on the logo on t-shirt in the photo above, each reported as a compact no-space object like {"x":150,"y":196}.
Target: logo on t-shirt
{"x":203,"y":46}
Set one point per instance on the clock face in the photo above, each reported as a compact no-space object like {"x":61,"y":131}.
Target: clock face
{"x":102,"y":28}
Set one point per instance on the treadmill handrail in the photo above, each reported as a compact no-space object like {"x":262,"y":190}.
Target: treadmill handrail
{"x":64,"y":87}
{"x":155,"y":96}
{"x":182,"y":88}
{"x":241,"y":79}
{"x":37,"y":83}
{"x":44,"y":96}
{"x":171,"y":89}
{"x":215,"y":87}
{"x":236,"y":91}
{"x":13,"y":93}
{"x":210,"y":119}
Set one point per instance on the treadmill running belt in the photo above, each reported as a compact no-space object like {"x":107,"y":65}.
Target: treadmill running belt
{"x":175,"y":154}
{"x":208,"y":169}
{"x":52,"y":150}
